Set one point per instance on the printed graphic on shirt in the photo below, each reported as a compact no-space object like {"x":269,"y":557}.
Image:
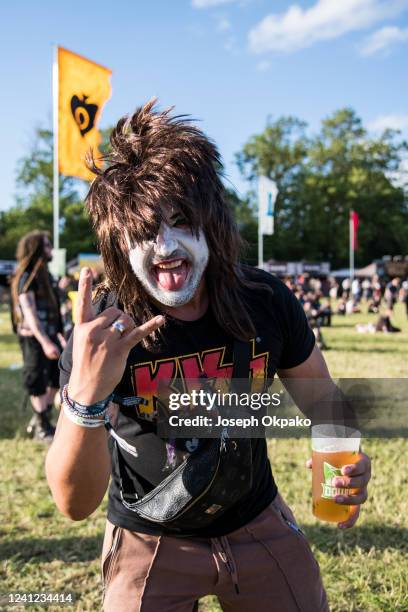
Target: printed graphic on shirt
{"x":154,"y":378}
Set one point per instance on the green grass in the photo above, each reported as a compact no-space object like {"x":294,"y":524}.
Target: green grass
{"x":364,"y":569}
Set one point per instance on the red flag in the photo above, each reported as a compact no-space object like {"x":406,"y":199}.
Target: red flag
{"x":354,"y":221}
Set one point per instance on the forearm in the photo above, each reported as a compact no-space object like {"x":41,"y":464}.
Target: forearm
{"x":78,"y":468}
{"x":34,"y":324}
{"x":316,"y":394}
{"x":31,"y":320}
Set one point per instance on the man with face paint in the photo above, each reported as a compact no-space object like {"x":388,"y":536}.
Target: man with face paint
{"x":175,"y":300}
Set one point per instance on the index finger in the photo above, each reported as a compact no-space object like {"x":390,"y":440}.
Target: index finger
{"x":84,"y":309}
{"x":137,"y":334}
{"x":355,"y":469}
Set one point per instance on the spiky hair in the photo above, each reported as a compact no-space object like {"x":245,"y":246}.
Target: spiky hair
{"x":157,"y":159}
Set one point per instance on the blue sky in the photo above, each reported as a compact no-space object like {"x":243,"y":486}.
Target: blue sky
{"x":228,"y":63}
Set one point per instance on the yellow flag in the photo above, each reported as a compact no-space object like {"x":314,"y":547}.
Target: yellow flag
{"x":83,"y":89}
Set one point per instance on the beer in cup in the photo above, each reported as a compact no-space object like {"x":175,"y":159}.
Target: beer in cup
{"x":333,"y":447}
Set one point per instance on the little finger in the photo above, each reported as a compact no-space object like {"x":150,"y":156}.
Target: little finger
{"x":355,"y":513}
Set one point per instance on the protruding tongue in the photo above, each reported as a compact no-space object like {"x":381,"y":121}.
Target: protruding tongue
{"x":173,"y":279}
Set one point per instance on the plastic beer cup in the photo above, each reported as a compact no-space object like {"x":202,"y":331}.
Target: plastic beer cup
{"x":332,"y":448}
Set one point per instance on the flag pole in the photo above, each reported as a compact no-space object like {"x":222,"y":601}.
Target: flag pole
{"x":260,"y":228}
{"x":55,"y":190}
{"x":351,"y":246}
{"x":260,"y":242}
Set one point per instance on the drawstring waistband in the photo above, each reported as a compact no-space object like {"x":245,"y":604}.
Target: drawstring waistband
{"x":222,"y":550}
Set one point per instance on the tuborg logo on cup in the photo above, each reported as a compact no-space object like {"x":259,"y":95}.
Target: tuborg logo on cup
{"x":330,"y":472}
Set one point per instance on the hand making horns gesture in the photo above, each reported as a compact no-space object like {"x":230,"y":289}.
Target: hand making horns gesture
{"x":101,"y":345}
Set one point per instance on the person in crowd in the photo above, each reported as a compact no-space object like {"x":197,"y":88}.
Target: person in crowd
{"x":341,"y":306}
{"x":367,"y":290}
{"x":325,"y":313}
{"x":334,"y":289}
{"x":37,"y":321}
{"x":346,"y":285}
{"x":356,"y":290}
{"x":374,"y":304}
{"x":352,"y":307}
{"x":383,"y":324}
{"x":325,"y":287}
{"x":316,"y":285}
{"x":404,"y":294}
{"x":66,"y":284}
{"x":391,"y":293}
{"x":315,"y":325}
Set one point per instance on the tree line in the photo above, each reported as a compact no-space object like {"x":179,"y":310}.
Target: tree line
{"x":320,"y":177}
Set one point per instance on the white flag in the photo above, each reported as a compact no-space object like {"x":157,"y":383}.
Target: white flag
{"x":267,"y":194}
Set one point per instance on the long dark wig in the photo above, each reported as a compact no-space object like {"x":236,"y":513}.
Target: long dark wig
{"x":157,"y":159}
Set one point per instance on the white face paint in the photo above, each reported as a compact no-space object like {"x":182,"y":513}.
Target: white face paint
{"x":171,"y":267}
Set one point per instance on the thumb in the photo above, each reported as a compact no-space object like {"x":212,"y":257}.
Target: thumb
{"x":309,"y":464}
{"x":137,"y":334}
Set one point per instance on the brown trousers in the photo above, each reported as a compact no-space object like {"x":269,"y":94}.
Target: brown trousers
{"x":265,"y":566}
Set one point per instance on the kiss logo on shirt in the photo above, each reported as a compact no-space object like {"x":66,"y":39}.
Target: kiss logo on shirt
{"x":154,"y":379}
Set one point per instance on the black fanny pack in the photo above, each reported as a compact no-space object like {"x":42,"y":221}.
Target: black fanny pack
{"x":208,"y":482}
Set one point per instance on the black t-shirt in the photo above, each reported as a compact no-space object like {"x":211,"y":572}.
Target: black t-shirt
{"x":47,"y":308}
{"x":284,"y":340}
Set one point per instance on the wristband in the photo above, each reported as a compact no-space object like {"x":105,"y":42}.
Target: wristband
{"x":82,"y":421}
{"x":84,"y":416}
{"x":96,"y":409}
{"x":81,"y":415}
{"x":94,"y":415}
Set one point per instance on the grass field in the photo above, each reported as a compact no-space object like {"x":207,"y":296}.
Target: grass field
{"x":364,"y":569}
